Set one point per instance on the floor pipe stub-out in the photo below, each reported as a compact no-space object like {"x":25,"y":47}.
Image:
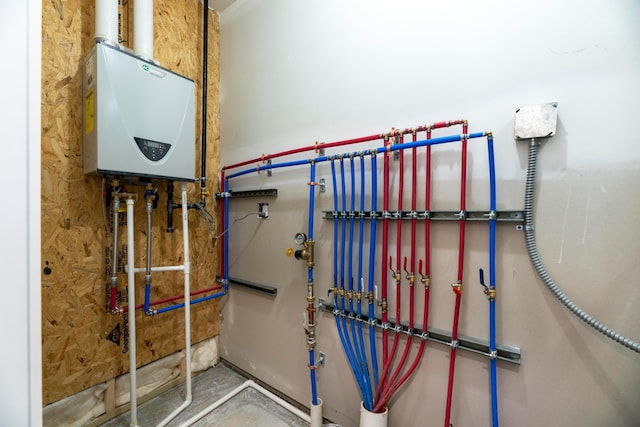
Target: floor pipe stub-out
{"x":372,"y":419}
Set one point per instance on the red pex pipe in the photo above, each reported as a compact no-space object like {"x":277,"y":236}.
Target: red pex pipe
{"x":317,"y":146}
{"x":398,"y":276}
{"x":174,"y":298}
{"x":457,"y":287}
{"x":113,"y":296}
{"x":410,"y":276}
{"x":425,"y":277}
{"x":314,"y":147}
{"x":385,"y":251}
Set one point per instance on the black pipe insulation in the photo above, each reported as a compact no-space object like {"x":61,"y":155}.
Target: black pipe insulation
{"x":205,"y":54}
{"x":170,"y":206}
{"x":203,"y":164}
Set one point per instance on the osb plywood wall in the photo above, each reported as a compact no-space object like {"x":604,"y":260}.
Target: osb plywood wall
{"x":76,"y":350}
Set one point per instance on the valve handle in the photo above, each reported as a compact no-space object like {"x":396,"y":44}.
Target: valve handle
{"x":486,"y":289}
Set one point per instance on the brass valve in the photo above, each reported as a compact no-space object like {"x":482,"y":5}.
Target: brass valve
{"x":306,"y":253}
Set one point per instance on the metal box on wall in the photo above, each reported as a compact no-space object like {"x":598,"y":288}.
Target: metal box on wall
{"x":139,"y":118}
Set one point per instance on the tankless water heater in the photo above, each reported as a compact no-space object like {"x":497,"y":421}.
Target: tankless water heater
{"x":139,"y":118}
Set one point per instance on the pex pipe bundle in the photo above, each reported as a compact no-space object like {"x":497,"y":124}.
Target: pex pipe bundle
{"x":376,"y":389}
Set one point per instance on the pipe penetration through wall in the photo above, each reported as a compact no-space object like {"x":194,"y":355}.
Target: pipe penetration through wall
{"x":380,"y":373}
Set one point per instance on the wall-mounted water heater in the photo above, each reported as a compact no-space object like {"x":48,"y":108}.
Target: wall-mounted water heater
{"x":139,"y":118}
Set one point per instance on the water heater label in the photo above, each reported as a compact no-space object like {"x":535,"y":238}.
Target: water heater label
{"x":153,"y":71}
{"x":89,"y":112}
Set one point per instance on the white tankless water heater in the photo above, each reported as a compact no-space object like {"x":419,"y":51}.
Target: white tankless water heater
{"x":139,"y":118}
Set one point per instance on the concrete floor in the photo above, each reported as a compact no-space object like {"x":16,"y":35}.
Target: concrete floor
{"x":247,"y":409}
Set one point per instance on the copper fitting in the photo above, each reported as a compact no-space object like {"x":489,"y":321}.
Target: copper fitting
{"x":383,"y":305}
{"x":492,"y":294}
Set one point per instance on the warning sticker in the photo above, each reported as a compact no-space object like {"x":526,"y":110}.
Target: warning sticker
{"x":89,"y":112}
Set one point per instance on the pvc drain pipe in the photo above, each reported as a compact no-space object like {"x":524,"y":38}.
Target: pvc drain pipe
{"x":316,"y":413}
{"x":372,"y":419}
{"x":248,"y":384}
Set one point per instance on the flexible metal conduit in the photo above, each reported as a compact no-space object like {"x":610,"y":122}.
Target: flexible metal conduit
{"x":537,"y":262}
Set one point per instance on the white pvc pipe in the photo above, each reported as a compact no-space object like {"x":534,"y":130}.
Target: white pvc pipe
{"x":132,"y":316}
{"x":187,"y":310}
{"x":238,"y":390}
{"x":316,"y":414}
{"x":143,"y":28}
{"x":107,"y":21}
{"x":371,"y":419}
{"x":157,"y":269}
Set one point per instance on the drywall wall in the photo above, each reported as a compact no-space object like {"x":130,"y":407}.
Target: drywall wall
{"x":21,"y":394}
{"x":77,"y":351}
{"x":293,"y":73}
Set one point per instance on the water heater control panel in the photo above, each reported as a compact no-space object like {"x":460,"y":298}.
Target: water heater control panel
{"x":153,"y":150}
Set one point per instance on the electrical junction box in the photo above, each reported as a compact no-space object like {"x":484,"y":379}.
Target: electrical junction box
{"x":536,"y":121}
{"x":139,"y":118}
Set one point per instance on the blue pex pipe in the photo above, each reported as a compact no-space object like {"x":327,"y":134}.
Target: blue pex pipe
{"x":492,"y":283}
{"x":382,"y":149}
{"x":312,"y":359}
{"x":147,"y":298}
{"x":361,"y":357}
{"x":225,"y":273}
{"x":265,"y":167}
{"x":192,"y":302}
{"x":341,"y":331}
{"x":351,"y":351}
{"x":365,"y":367}
{"x":372,"y":258}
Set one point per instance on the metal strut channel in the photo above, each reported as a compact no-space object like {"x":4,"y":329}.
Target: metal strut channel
{"x":259,"y":287}
{"x":270,"y":192}
{"x":475,"y":345}
{"x":501,"y":216}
